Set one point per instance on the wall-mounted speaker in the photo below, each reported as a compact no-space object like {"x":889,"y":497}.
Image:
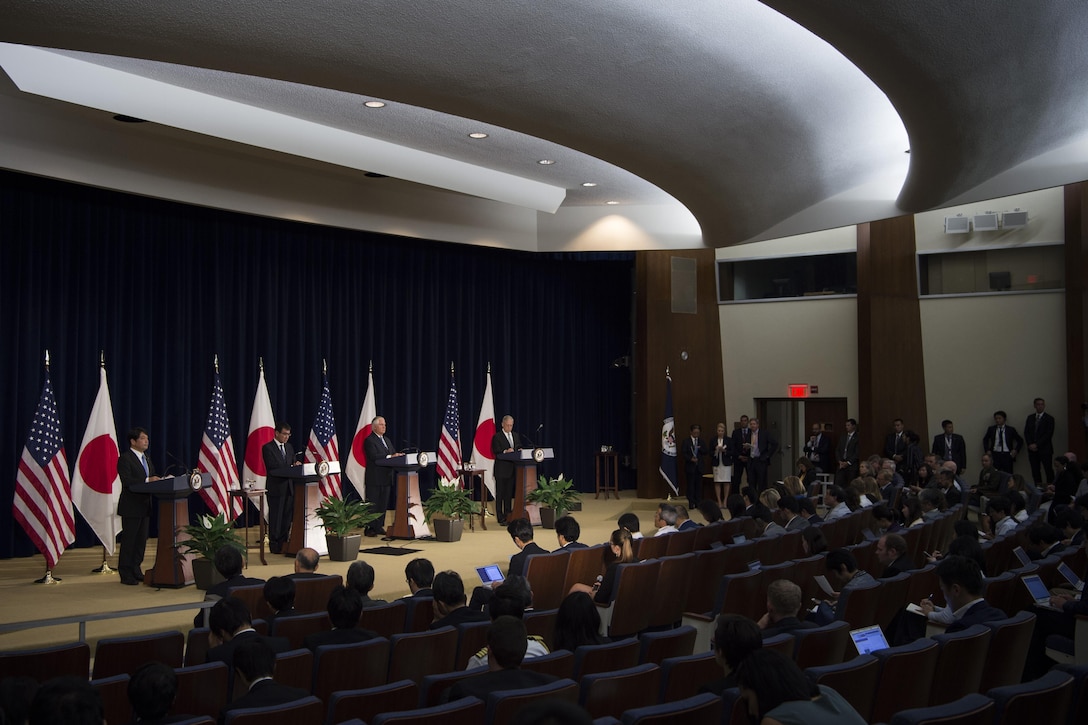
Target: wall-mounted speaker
{"x":1014,"y":219}
{"x":956,"y":225}
{"x":985,"y":222}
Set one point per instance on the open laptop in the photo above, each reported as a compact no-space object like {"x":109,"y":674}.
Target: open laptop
{"x":1038,"y":590}
{"x":490,"y":573}
{"x":1022,"y":555}
{"x":868,"y":639}
{"x":1071,"y":576}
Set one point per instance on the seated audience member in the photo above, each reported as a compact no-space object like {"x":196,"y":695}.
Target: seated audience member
{"x":1071,"y":523}
{"x":843,"y":575}
{"x":776,"y":691}
{"x":419,"y":575}
{"x":998,"y":518}
{"x":912,"y":512}
{"x":961,"y":482}
{"x":735,"y":505}
{"x":306,"y":562}
{"x":789,"y":514}
{"x":507,"y":642}
{"x":961,"y":583}
{"x":768,"y":499}
{"x":619,"y":551}
{"x":858,"y":489}
{"x":510,"y":599}
{"x":1017,"y":506}
{"x":1067,"y":477}
{"x":577,"y":623}
{"x":279,"y":592}
{"x":16,"y":694}
{"x":711,"y":511}
{"x":254,"y":663}
{"x":228,"y":562}
{"x":753,"y":507}
{"x":151,"y":692}
{"x":783,"y":605}
{"x":966,"y":545}
{"x":735,"y":639}
{"x":885,"y":483}
{"x":665,"y":519}
{"x":567,"y":532}
{"x":808,"y":511}
{"x":889,"y":465}
{"x":813,"y":541}
{"x":792,"y":486}
{"x":630,"y":522}
{"x":683,"y":523}
{"x":1043,"y":540}
{"x":808,"y":474}
{"x":991,"y":481}
{"x":770,"y":527}
{"x":521,"y":532}
{"x":932,"y":503}
{"x":946,"y":485}
{"x":450,"y":602}
{"x":884,"y":521}
{"x":67,"y":700}
{"x":835,"y":500}
{"x":229,"y":625}
{"x":344,"y":607}
{"x":361,"y":579}
{"x":891,"y":552}
{"x":925,"y":476}
{"x":1054,"y":628}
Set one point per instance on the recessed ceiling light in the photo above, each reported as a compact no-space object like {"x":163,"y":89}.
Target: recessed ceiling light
{"x":589,"y":183}
{"x":478,"y":134}
{"x":546,"y":162}
{"x":612,"y":203}
{"x":374,"y":104}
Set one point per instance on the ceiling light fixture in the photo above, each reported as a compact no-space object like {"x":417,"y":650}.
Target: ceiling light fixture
{"x":589,"y":184}
{"x":374,"y":104}
{"x":478,"y":134}
{"x":546,"y":162}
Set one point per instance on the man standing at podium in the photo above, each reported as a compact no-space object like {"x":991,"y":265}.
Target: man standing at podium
{"x":379,"y":479}
{"x":504,"y":441}
{"x":278,"y":453}
{"x":133,"y":468}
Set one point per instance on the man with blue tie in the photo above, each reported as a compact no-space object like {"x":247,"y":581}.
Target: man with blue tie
{"x":134,"y":468}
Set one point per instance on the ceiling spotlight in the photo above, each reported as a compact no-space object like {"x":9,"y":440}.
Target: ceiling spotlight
{"x":374,"y":104}
{"x":589,"y":184}
{"x":546,"y":162}
{"x":612,"y":203}
{"x":478,"y":134}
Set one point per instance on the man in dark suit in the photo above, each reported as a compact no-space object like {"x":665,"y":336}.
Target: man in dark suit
{"x":420,"y":576}
{"x":229,"y":626}
{"x":783,"y":604}
{"x":505,"y":440}
{"x":847,"y":453}
{"x":895,"y":443}
{"x":228,"y":562}
{"x":450,"y":602}
{"x":891,"y":552}
{"x":134,"y":468}
{"x":254,"y":662}
{"x":507,"y":642}
{"x":379,"y":479}
{"x":278,"y":454}
{"x":761,"y":446}
{"x":1038,"y":436}
{"x":1002,"y":442}
{"x":818,"y":448}
{"x":693,"y":449}
{"x":961,"y":582}
{"x":950,"y":446}
{"x":789,"y":514}
{"x":345,"y":607}
{"x":742,"y":437}
{"x":521,"y":531}
{"x":567,"y":532}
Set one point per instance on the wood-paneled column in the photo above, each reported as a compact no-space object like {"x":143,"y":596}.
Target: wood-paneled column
{"x":1076,"y":316}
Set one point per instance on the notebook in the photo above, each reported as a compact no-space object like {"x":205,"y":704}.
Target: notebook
{"x":868,"y":639}
{"x":739,"y":539}
{"x":1022,"y":555}
{"x":489,"y":574}
{"x":1038,"y":590}
{"x":1071,"y":576}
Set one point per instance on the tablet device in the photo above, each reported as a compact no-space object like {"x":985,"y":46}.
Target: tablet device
{"x":868,"y":639}
{"x":490,"y":573}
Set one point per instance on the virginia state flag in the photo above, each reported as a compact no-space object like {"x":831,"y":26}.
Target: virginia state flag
{"x":668,"y":440}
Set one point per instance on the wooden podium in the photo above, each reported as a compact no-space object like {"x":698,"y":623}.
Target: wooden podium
{"x":408,"y":520}
{"x":173,"y":569}
{"x":305,"y":528}
{"x":525,"y":462}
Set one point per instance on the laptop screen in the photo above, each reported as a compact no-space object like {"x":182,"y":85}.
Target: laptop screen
{"x":868,"y":639}
{"x":1038,"y":589}
{"x":1022,"y":555}
{"x":489,"y":574}
{"x":1069,"y":574}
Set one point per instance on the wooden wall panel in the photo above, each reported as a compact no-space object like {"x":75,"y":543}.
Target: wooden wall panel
{"x":1076,"y":316}
{"x":660,"y":337}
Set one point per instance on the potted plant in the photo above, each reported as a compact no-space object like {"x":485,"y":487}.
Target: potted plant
{"x":340,"y":517}
{"x":555,"y":496}
{"x":205,"y":537}
{"x":453,"y":503}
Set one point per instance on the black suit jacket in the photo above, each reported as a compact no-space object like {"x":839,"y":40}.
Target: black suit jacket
{"x":503,"y":468}
{"x":270,"y":453}
{"x":1040,"y":434}
{"x":1013,"y":441}
{"x":264,"y":694}
{"x":819,"y":451}
{"x":376,"y":451}
{"x":725,"y":458}
{"x":517,"y":561}
{"x":740,"y":437}
{"x":693,"y":449}
{"x":978,"y":614}
{"x":787,"y":625}
{"x":225,"y":652}
{"x":894,"y":447}
{"x":847,"y":449}
{"x":131,"y":472}
{"x":958,"y":451}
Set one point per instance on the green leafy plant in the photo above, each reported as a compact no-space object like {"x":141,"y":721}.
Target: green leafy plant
{"x":340,"y":517}
{"x":450,"y":500}
{"x":555,"y":493}
{"x":209,"y":534}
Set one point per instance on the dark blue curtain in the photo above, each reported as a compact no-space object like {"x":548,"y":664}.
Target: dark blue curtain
{"x":162,"y":287}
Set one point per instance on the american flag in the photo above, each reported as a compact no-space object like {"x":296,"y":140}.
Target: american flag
{"x":217,"y":459}
{"x":43,"y":491}
{"x":322,"y":445}
{"x":449,"y":444}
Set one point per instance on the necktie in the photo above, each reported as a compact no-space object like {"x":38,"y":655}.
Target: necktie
{"x":1001,"y":439}
{"x":143,"y":462}
{"x":283,"y":453}
{"x":755,"y":445}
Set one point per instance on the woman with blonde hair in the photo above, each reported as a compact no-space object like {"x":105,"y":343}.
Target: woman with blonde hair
{"x":721,"y":463}
{"x":793,"y":486}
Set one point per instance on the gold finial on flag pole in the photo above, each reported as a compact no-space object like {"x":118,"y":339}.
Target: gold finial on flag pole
{"x":451,"y":367}
{"x":260,"y":363}
{"x":101,"y":358}
{"x":216,"y":362}
{"x":666,"y":371}
{"x":371,"y":368}
{"x":47,"y":359}
{"x":324,"y":366}
{"x":488,"y":367}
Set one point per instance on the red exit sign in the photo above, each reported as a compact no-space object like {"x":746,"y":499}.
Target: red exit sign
{"x":798,"y":391}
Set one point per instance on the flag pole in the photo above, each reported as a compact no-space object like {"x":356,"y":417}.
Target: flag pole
{"x":105,"y":568}
{"x":48,"y":578}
